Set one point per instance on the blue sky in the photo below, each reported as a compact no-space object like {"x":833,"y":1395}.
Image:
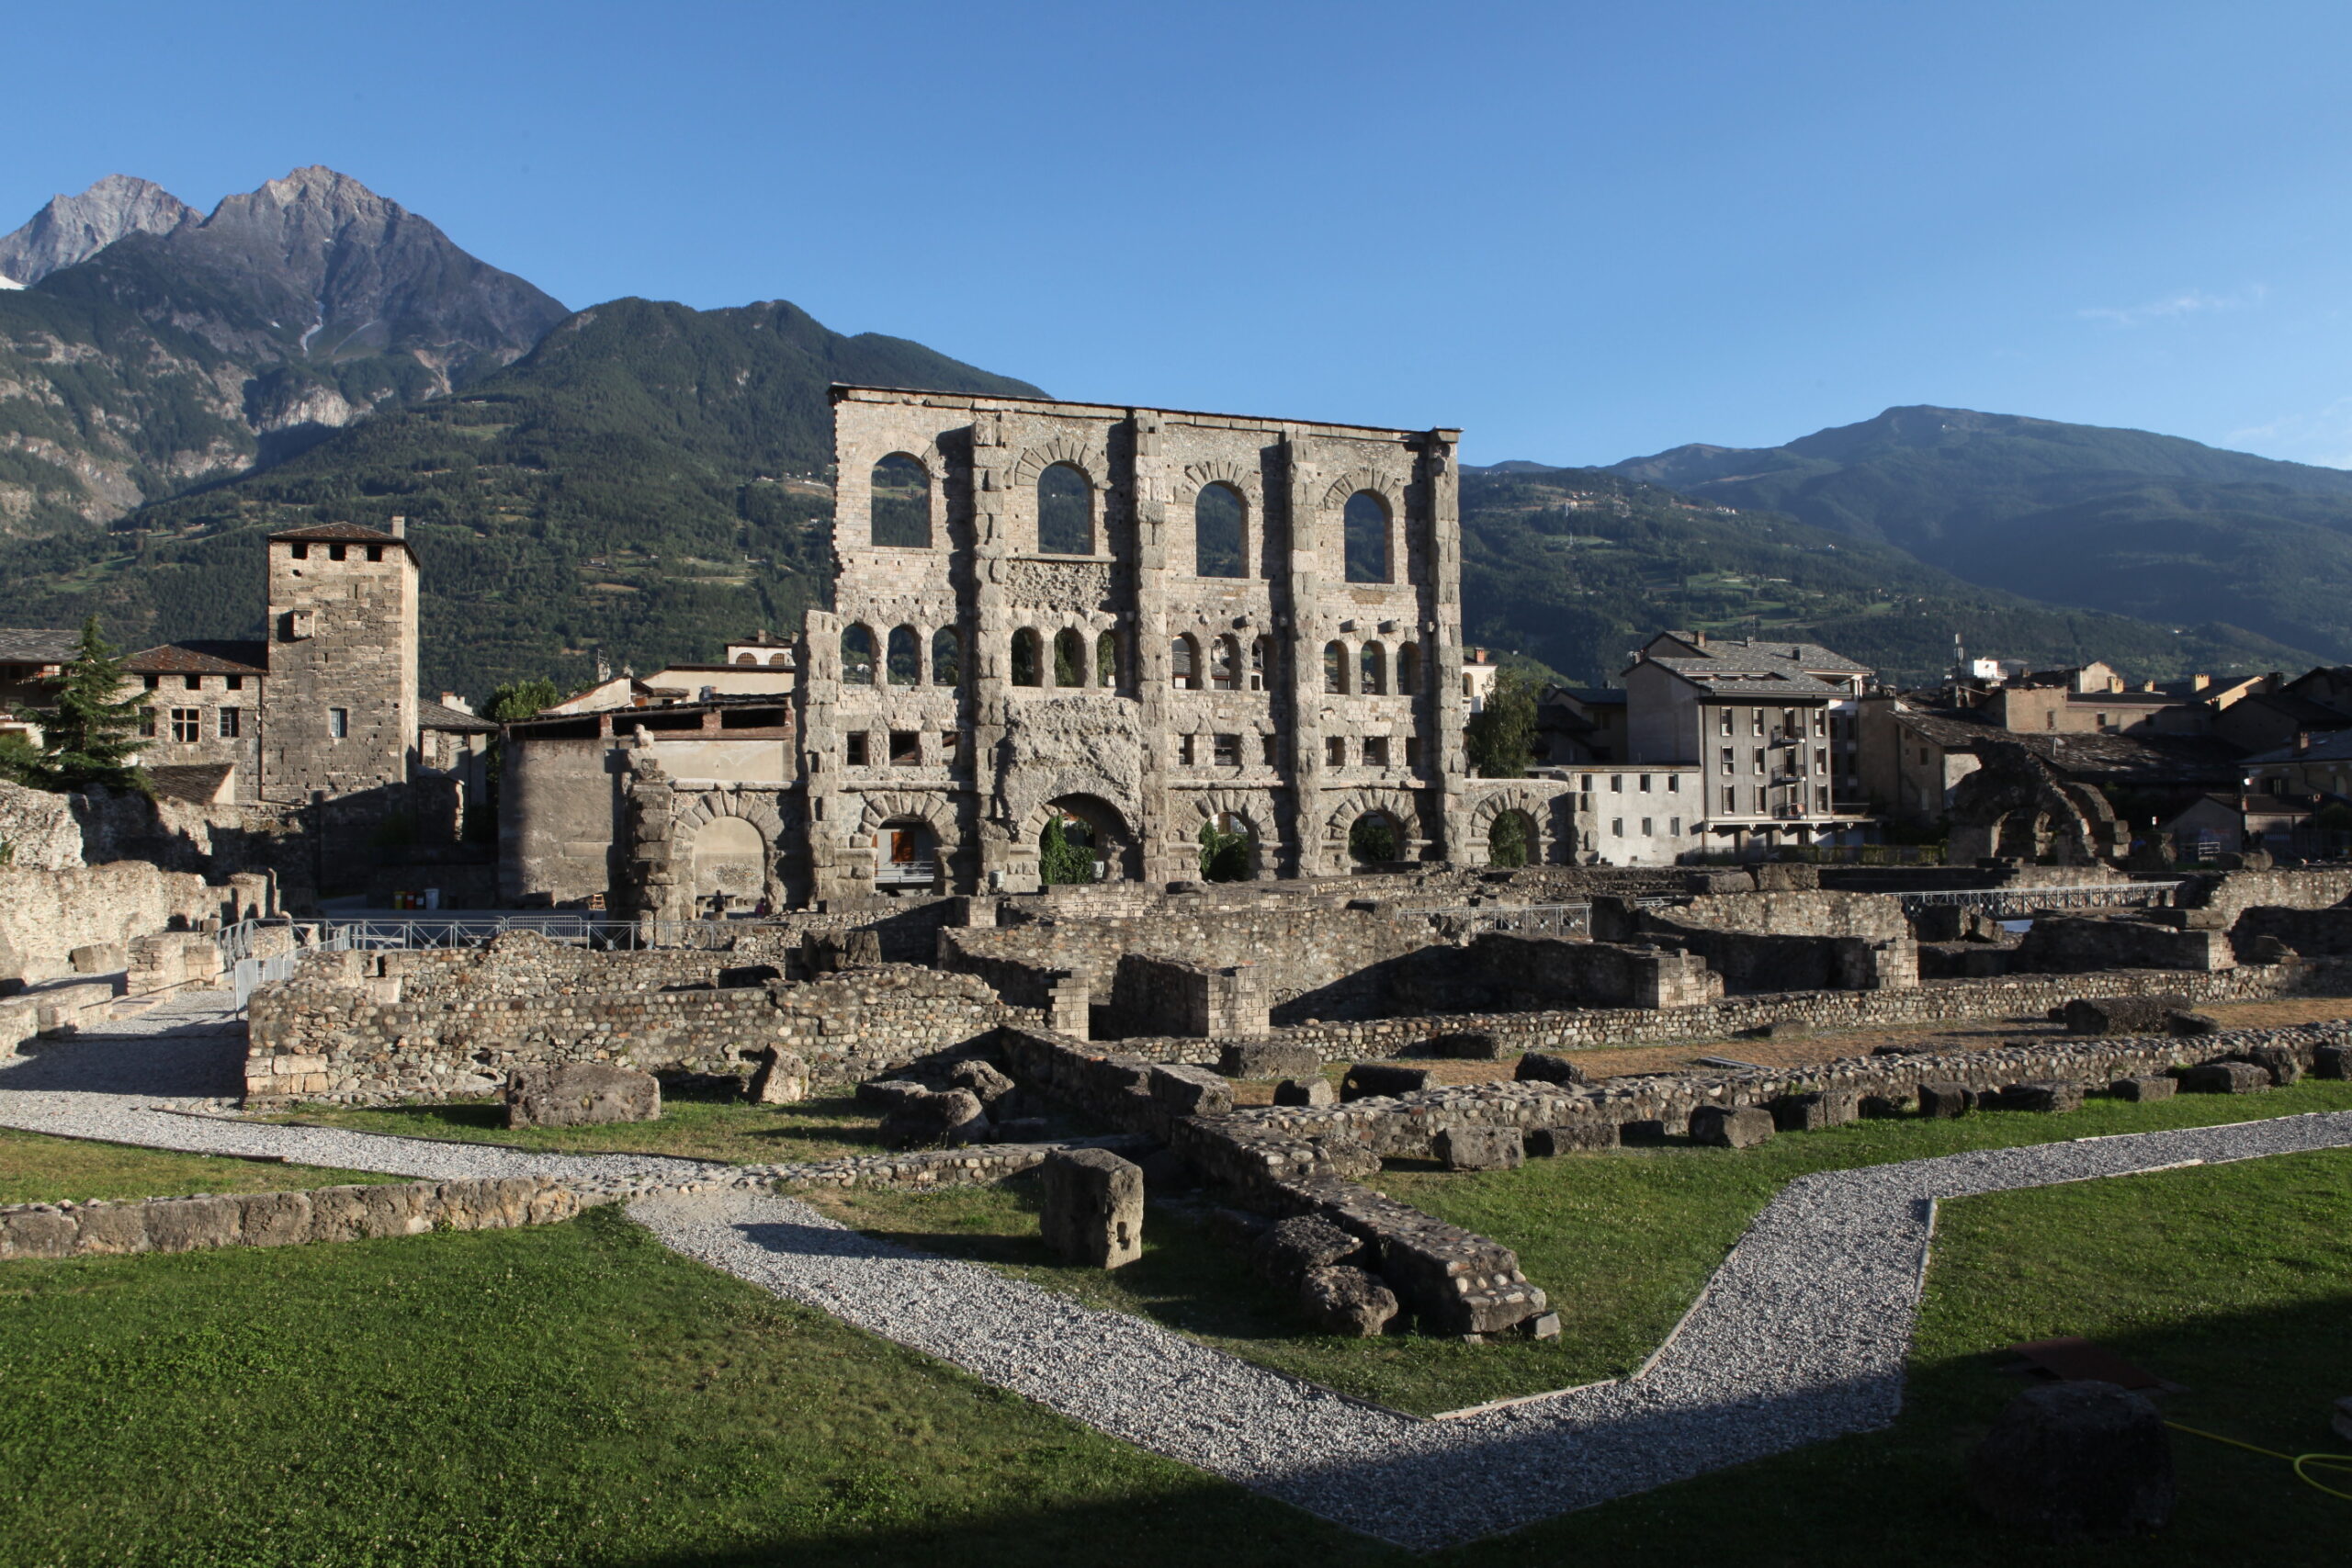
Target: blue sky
{"x":1581,"y":231}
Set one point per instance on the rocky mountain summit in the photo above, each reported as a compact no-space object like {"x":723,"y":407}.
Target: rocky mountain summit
{"x":73,"y":229}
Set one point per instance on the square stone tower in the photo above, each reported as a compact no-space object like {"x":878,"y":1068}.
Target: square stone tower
{"x":339,"y":710}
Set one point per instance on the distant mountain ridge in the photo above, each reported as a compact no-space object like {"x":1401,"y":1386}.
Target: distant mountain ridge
{"x":2124,"y":521}
{"x":72,"y":229}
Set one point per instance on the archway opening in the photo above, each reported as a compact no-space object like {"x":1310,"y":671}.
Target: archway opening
{"x":1229,"y":848}
{"x":1217,"y":531}
{"x":1065,"y":513}
{"x":1366,"y":545}
{"x":906,"y":853}
{"x":1106,"y":659}
{"x":946,"y":656}
{"x":1409,"y":669}
{"x":857,"y":656}
{"x":1374,"y":661}
{"x":1376,"y":838}
{"x":1511,"y":840}
{"x":730,"y":868}
{"x":1225,"y":665}
{"x":905,"y":667}
{"x":1027,"y":658}
{"x":1070,"y":657}
{"x":1335,"y":667}
{"x":1084,"y":839}
{"x":900,"y":509}
{"x":1184,"y":662}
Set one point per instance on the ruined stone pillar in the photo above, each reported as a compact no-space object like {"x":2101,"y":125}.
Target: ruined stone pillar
{"x":1004,"y":864}
{"x":1309,"y":629}
{"x":1167,"y":857}
{"x":1441,"y":624}
{"x":818,"y":690}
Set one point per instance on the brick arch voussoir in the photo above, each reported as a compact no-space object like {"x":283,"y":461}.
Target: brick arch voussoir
{"x":1198,"y":476}
{"x":1088,"y":460}
{"x":1381,"y":485}
{"x":1393,"y":804}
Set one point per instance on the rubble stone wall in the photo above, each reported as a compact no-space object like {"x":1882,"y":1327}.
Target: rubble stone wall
{"x":45,"y":915}
{"x":2076,"y":944}
{"x":2233,"y":892}
{"x":282,"y":1218}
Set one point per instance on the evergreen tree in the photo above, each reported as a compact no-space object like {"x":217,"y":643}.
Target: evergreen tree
{"x":1500,"y":738}
{"x":90,"y":732}
{"x":1060,"y":861}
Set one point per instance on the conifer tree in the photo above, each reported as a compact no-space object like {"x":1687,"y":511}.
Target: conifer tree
{"x":90,"y":731}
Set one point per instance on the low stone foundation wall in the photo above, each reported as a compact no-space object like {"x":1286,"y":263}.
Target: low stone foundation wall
{"x":283,"y":1219}
{"x":2078,"y":944}
{"x":321,"y":1037}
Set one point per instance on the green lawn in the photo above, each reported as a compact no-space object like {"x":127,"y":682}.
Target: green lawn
{"x":730,"y":1130}
{"x":1620,"y":1241}
{"x":38,"y":1169}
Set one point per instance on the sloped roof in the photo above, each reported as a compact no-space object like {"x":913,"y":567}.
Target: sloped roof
{"x":2305,"y":713}
{"x":2122,"y":759}
{"x":37,"y":645}
{"x":1748,"y":676}
{"x":201,"y":659}
{"x":341,"y":533}
{"x":431,"y":715}
{"x":199,"y":781}
{"x":2336,"y":746}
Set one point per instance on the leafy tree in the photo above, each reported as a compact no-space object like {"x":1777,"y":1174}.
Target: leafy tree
{"x":522,"y":699}
{"x":1373,"y":838}
{"x":1225,"y":857}
{"x":1060,"y":861}
{"x":1507,"y":840}
{"x":1500,"y":737}
{"x":90,"y":731}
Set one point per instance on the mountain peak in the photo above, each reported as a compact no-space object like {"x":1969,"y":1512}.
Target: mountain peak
{"x":70,"y":229}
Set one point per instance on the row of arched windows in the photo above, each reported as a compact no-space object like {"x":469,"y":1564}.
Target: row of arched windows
{"x":1223,"y":669}
{"x":898,"y":515}
{"x":1070,"y":665}
{"x":900,"y":659}
{"x":1367,"y":673}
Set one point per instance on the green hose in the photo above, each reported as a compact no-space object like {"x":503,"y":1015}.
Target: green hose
{"x":2333,"y":1462}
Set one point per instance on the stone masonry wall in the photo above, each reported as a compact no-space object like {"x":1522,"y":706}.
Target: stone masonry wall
{"x":318,"y":1037}
{"x":281,"y":1219}
{"x":2072,"y":944}
{"x":44,"y":915}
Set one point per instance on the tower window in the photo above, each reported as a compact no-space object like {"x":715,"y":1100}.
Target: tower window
{"x":231,"y":723}
{"x":336,"y":552}
{"x":339,"y":723}
{"x":187,"y":725}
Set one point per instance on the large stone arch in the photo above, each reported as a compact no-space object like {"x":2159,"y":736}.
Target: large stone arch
{"x":1335,"y":495}
{"x":760,"y":814}
{"x":1088,"y":459}
{"x":1398,"y":805}
{"x":1255,"y":808}
{"x":1534,"y":805}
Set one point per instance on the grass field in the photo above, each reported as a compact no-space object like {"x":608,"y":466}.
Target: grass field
{"x":726,"y":1130}
{"x":575,"y":1395}
{"x":38,"y":1169}
{"x":1620,"y":1241}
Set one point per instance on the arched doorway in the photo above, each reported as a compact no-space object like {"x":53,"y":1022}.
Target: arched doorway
{"x":1083,"y":839}
{"x":730,"y":868}
{"x":906,"y":854}
{"x":1376,"y":838}
{"x":1229,"y":848}
{"x":1511,"y":839}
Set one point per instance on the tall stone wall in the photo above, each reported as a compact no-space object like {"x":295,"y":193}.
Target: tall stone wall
{"x":343,"y":636}
{"x":45,"y":915}
{"x":2230,"y":893}
{"x":2062,"y":945}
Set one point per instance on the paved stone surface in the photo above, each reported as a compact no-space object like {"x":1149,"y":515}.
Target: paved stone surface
{"x":1800,"y":1336}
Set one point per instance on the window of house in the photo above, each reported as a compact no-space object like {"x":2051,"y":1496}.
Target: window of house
{"x":236,"y":683}
{"x":1616,"y":783}
{"x":1335,"y":751}
{"x":376,"y":552}
{"x":193,"y":683}
{"x":1645,"y":783}
{"x":1645,"y":826}
{"x":187,"y":723}
{"x":1757,"y":765}
{"x":1616,"y":827}
{"x":1723,"y":715}
{"x":1820,"y":720}
{"x":1412,"y":750}
{"x":231,"y":723}
{"x":853,"y":748}
{"x":1674,"y":827}
{"x":152,"y":682}
{"x":1755,"y":721}
{"x":1728,"y":765}
{"x":2050,"y":718}
{"x":146,"y":724}
{"x":1822,"y":797}
{"x":302,"y":552}
{"x":1821,"y":759}
{"x":1790,"y":723}
{"x":336,"y":552}
{"x":906,"y":748}
{"x":338,"y":722}
{"x":1376,"y":751}
{"x":1731,"y":798}
{"x":1226,"y":750}
{"x":1588,"y":783}
{"x":1674,"y":784}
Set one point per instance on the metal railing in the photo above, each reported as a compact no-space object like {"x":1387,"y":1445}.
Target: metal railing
{"x":249,"y":973}
{"x":441,"y":932}
{"x":906,"y":873}
{"x":1527,"y":919}
{"x":2013,"y":902}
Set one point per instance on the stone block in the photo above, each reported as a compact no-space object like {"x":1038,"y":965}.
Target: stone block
{"x":2076,"y":1459}
{"x":1093,"y":1207}
{"x":1946,"y":1100}
{"x":782,"y":1079}
{"x":2192,"y":1023}
{"x":2150,"y":1087}
{"x":936,"y":1121}
{"x":1289,"y":1249}
{"x":1546,"y":1326}
{"x":581,"y":1094}
{"x":2049,"y":1095}
{"x":1469,"y":1045}
{"x":2224,"y":1077}
{"x":2283,"y":1062}
{"x":1269,"y":1059}
{"x":336,"y":1215}
{"x":1347,"y":1301}
{"x":99,"y":958}
{"x":112,"y":1228}
{"x":987,"y":1082}
{"x":1368,"y":1081}
{"x":275,"y":1219}
{"x":1480,"y":1148}
{"x":38,"y":1232}
{"x":1880,"y":1107}
{"x":1539,"y":1067}
{"x":1574,"y":1138}
{"x":1191,"y":1091}
{"x":887,"y":1094}
{"x":2332,"y":1061}
{"x":186,"y":1224}
{"x":1731,"y":1127}
{"x":1812,"y":1109}
{"x":1315,"y":1090}
{"x":2121,"y":1015}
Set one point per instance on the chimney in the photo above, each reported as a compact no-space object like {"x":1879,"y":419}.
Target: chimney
{"x":400,"y":527}
{"x":2199,"y":682}
{"x":2302,"y":740}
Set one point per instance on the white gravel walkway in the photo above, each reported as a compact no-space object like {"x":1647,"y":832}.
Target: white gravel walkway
{"x":1800,"y":1336}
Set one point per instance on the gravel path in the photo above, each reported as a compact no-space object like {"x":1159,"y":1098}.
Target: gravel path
{"x":1800,"y":1336}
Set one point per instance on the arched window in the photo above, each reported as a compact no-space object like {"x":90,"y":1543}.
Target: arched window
{"x":1065,"y":513}
{"x":946,"y":656}
{"x":777,"y":659}
{"x":1216,"y":533}
{"x":1070,"y":659}
{"x":857,"y":656}
{"x":900,"y":510}
{"x":1026,"y":662}
{"x":1335,"y":667}
{"x":1375,"y":671}
{"x":1409,"y":669}
{"x":1261,"y":663}
{"x":1106,"y":659}
{"x":1225,"y":665}
{"x":747,"y":659}
{"x":1184,"y":663}
{"x":905,"y":667}
{"x":1373,"y":838}
{"x":1367,"y":538}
